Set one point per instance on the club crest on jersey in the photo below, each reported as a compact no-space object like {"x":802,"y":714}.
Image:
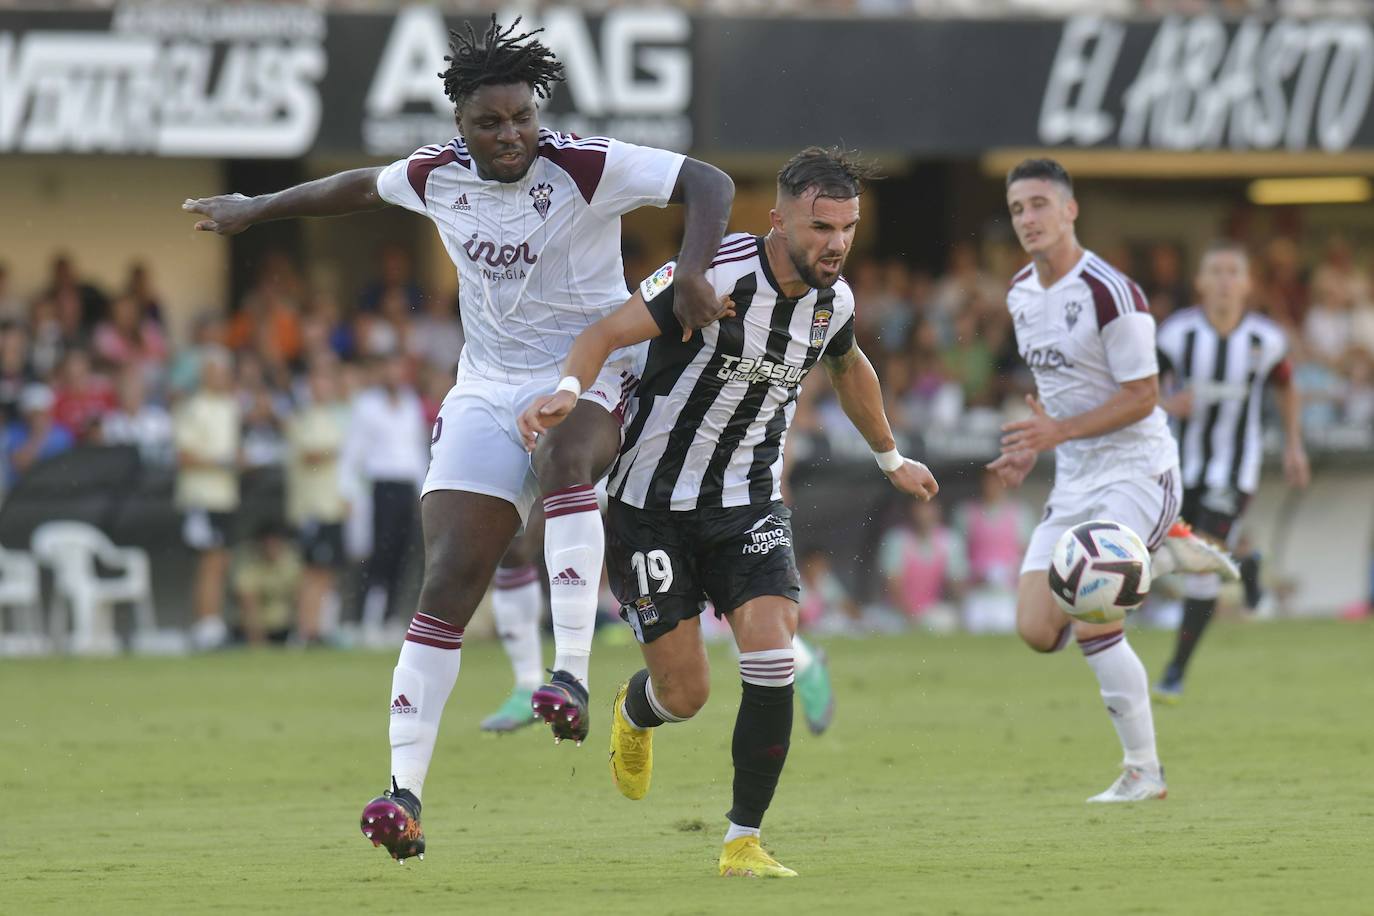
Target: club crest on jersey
{"x":542,"y":195}
{"x":657,"y":282}
{"x":819,"y":326}
{"x":1071,"y":313}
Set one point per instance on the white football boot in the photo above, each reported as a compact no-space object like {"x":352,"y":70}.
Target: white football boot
{"x":1183,"y":551}
{"x":1134,"y":784}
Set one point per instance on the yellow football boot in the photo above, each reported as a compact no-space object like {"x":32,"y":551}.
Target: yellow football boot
{"x":632,"y":751}
{"x":745,"y":858}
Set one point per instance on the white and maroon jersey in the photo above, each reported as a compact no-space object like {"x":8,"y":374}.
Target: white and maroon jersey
{"x":538,"y":259}
{"x":1220,"y":440}
{"x":1083,"y":338}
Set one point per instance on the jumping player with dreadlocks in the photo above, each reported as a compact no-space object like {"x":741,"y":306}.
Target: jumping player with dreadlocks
{"x":531,"y":219}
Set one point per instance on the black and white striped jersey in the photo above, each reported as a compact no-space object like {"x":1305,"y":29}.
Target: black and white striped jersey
{"x":1220,"y":440}
{"x":711,"y":415}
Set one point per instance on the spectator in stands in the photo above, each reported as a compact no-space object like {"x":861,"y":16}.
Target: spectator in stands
{"x":967,"y":360}
{"x":271,"y":308}
{"x":264,"y":410}
{"x":35,"y":436}
{"x":964,"y":284}
{"x":314,"y":497}
{"x":140,"y":289}
{"x":207,"y":489}
{"x":323,"y":328}
{"x":1282,"y":291}
{"x":387,"y":453}
{"x":267,"y":578}
{"x":11,"y":306}
{"x":183,"y":375}
{"x":15,"y":372}
{"x":437,"y":334}
{"x":47,"y":342}
{"x":995,"y":529}
{"x":394,"y":284}
{"x":921,"y":385}
{"x":82,"y":396}
{"x":925,"y":566}
{"x":1167,"y":288}
{"x":825,"y":602}
{"x":387,"y":330}
{"x":1327,"y":328}
{"x":79,"y":306}
{"x":136,"y":422}
{"x":129,"y":337}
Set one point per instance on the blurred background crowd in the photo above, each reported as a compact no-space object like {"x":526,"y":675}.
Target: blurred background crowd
{"x":336,"y":394}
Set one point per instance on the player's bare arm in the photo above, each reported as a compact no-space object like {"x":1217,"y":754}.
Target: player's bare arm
{"x":626,"y":326}
{"x":706,"y":194}
{"x":346,"y":192}
{"x":1042,"y":432}
{"x":861,"y":396}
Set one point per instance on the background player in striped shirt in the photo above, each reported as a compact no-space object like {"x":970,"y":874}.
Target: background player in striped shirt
{"x":1221,"y":359}
{"x":696,"y":501}
{"x":531,"y":219}
{"x":1084,"y":330}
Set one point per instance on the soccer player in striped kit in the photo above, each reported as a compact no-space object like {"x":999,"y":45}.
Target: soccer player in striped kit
{"x":1221,"y":358}
{"x":696,"y":508}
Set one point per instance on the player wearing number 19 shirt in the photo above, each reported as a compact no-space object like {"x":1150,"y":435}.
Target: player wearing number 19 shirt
{"x":696,"y":507}
{"x":531,"y":219}
{"x":1084,"y":330}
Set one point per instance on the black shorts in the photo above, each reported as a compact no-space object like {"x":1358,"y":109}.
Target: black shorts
{"x":664,"y":566}
{"x":322,"y":544}
{"x":203,"y":529}
{"x":1214,"y":511}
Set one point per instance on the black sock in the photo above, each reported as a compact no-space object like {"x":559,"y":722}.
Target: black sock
{"x":1197,"y":613}
{"x":763,"y":731}
{"x":641,"y":714}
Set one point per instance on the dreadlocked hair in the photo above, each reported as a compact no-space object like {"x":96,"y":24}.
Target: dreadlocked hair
{"x":498,"y":58}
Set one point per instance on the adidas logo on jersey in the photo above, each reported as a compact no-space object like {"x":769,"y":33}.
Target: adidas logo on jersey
{"x":568,"y":576}
{"x":462,"y":204}
{"x":402,"y":705}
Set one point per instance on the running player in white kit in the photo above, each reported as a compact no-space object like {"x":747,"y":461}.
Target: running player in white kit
{"x":1085,"y":331}
{"x":531,"y":219}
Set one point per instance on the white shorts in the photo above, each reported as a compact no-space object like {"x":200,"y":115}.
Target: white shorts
{"x":475,"y":444}
{"x":1146,"y":505}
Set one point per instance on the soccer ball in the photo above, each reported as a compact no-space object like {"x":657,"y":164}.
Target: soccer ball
{"x":1100,"y":571}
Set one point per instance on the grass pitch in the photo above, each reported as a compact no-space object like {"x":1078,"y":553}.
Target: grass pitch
{"x":952,"y":782}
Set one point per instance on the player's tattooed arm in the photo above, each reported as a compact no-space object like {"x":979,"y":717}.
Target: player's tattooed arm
{"x":346,"y":192}
{"x":706,"y":193}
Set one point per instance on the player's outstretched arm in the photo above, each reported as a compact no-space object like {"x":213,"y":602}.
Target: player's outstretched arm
{"x":1296,"y":468}
{"x":706,"y":193}
{"x":861,"y":396}
{"x":337,"y":195}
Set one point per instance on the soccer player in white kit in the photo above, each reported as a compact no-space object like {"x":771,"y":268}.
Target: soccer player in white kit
{"x":531,"y":219}
{"x":1085,"y":331}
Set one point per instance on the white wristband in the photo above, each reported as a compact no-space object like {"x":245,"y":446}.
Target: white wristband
{"x":889,"y":460}
{"x":570,"y":385}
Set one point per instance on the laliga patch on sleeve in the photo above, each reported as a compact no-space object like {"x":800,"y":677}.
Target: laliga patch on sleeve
{"x":657,"y":282}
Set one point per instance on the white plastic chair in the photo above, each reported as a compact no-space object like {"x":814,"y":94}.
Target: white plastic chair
{"x":71,"y":550}
{"x":21,"y":593}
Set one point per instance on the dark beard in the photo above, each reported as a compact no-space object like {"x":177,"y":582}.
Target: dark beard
{"x":808,"y":275}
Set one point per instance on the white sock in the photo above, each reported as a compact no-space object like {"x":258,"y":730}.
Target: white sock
{"x":1126,"y":691}
{"x":803,"y":654}
{"x":420,"y":685}
{"x":735,"y":831}
{"x":516,"y":603}
{"x":574,"y":543}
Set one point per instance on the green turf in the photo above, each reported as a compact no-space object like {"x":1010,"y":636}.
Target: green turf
{"x":952,"y":782}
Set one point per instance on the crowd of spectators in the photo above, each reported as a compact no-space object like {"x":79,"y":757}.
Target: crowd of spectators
{"x":295,"y":372}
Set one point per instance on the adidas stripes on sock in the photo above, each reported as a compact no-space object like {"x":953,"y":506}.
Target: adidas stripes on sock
{"x":574,"y":542}
{"x":420,"y":685}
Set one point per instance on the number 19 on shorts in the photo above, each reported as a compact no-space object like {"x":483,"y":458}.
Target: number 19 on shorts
{"x":653,"y":565}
